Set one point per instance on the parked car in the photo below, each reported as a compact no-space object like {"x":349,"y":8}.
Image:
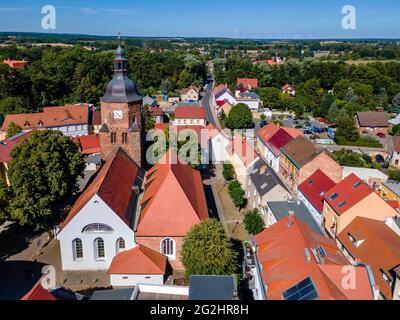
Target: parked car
{"x":381,"y":135}
{"x":307,"y":132}
{"x":322,"y":120}
{"x":263,"y":123}
{"x":307,"y":124}
{"x":299,"y":126}
{"x":380,"y":159}
{"x":313,"y":137}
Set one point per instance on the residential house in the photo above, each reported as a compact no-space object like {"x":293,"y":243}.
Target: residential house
{"x":312,"y":191}
{"x":38,"y":293}
{"x":224,"y":105}
{"x":296,"y":263}
{"x":96,"y":122}
{"x":100,"y":225}
{"x":390,"y":190}
{"x":288,"y":89}
{"x":263,"y":185}
{"x":225,"y":94}
{"x":278,"y":210}
{"x":372,"y":122}
{"x":190,"y":94}
{"x":372,"y":177}
{"x":6,"y":146}
{"x":395,"y":121}
{"x":300,"y":158}
{"x":247,"y":83}
{"x":158,"y":114}
{"x":393,"y":150}
{"x":243,"y":158}
{"x":190,"y":116}
{"x":220,"y":146}
{"x":271,"y":138}
{"x":149,"y":101}
{"x":250,"y":99}
{"x":173,"y":201}
{"x":71,"y":120}
{"x":90,"y":149}
{"x":219,"y":88}
{"x":349,"y":199}
{"x":16,"y":64}
{"x":372,"y":242}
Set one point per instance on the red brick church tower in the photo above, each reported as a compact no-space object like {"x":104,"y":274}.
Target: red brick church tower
{"x":121,"y":114}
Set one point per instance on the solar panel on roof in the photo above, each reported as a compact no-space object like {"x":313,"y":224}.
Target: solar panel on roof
{"x":304,"y":290}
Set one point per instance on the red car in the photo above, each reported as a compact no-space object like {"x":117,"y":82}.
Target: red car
{"x":381,"y":135}
{"x":322,"y":120}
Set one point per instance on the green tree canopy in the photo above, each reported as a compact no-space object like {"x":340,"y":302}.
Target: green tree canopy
{"x":43,"y":172}
{"x":12,"y":129}
{"x":253,"y":222}
{"x":148,"y":119}
{"x":346,"y":127}
{"x":239,"y":117}
{"x":4,"y":200}
{"x":12,"y":105}
{"x":206,"y":250}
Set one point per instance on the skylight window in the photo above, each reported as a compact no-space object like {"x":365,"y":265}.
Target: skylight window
{"x":264,"y":185}
{"x":311,"y":182}
{"x":340,"y":205}
{"x":357,"y":185}
{"x":334,"y":196}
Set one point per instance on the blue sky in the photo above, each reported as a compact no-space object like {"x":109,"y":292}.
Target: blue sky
{"x":230,"y":18}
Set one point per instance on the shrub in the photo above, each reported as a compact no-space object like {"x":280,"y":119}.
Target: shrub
{"x":253,"y":222}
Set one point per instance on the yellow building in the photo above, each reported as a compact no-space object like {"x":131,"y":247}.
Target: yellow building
{"x":390,"y":190}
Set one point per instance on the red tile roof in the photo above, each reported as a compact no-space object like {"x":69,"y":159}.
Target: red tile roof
{"x":161,"y":126}
{"x":156,"y":111}
{"x":380,"y":248}
{"x":190,"y":113}
{"x":38,"y":293}
{"x":7,"y":145}
{"x":173,"y":200}
{"x":244,"y":150}
{"x":247,"y":82}
{"x":139,"y":260}
{"x":372,"y":119}
{"x":350,"y":191}
{"x":219,"y":88}
{"x":89,"y":144}
{"x":315,"y":187}
{"x":97,"y":118}
{"x":220,"y":103}
{"x":113,"y":184}
{"x":50,"y":117}
{"x":281,"y":253}
{"x":16,"y":64}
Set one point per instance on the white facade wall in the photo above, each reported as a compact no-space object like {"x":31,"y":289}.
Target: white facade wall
{"x":314,"y":212}
{"x":227,"y":96}
{"x":190,"y":122}
{"x":270,"y":219}
{"x":221,"y":149}
{"x":95,"y":211}
{"x":252,"y":104}
{"x":270,"y":158}
{"x":73,"y":130}
{"x":129,"y":280}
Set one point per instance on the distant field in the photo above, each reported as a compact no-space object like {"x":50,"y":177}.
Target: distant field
{"x":358,"y":62}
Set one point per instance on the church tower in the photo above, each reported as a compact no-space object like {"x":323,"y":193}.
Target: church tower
{"x":121,"y":114}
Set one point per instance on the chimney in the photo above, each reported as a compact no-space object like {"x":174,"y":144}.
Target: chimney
{"x":307,"y":255}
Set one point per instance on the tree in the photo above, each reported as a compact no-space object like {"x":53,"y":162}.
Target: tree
{"x":346,"y":127}
{"x":12,"y":105}
{"x":333,"y":113}
{"x":239,"y":117}
{"x":148,"y":119}
{"x":270,"y":96}
{"x":43,"y":173}
{"x":206,"y":250}
{"x":395,"y":106}
{"x":237,"y":194}
{"x":166,"y":86}
{"x":394,"y":174}
{"x":227,"y":171}
{"x":327,"y":101}
{"x":4,"y":200}
{"x":12,"y":130}
{"x":253,"y":222}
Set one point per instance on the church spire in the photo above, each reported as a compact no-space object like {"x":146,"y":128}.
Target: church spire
{"x":120,"y":61}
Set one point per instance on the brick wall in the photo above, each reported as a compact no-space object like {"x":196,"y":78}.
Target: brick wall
{"x":326,"y":164}
{"x":154,"y":243}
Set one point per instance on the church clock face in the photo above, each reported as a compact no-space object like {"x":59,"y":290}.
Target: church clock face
{"x":117,"y":114}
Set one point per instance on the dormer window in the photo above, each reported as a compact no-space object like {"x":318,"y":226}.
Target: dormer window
{"x":311,"y":182}
{"x":358,"y":184}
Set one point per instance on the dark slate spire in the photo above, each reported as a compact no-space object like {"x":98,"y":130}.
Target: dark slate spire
{"x":121,"y":89}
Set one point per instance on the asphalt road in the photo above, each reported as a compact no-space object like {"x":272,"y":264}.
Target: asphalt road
{"x":211,"y":117}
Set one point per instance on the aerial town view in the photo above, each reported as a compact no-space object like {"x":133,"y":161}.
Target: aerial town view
{"x":229,"y":152}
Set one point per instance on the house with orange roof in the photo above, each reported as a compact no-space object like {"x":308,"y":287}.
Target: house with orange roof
{"x":101,"y":223}
{"x":271,"y":138}
{"x":38,"y":293}
{"x":300,"y":158}
{"x":190,"y":116}
{"x":173,"y":201}
{"x":349,"y":199}
{"x":190,"y":94}
{"x":71,"y":120}
{"x":288,"y":89}
{"x":224,"y":105}
{"x":293,"y":262}
{"x":247,"y":83}
{"x":16,"y":64}
{"x":372,"y":242}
